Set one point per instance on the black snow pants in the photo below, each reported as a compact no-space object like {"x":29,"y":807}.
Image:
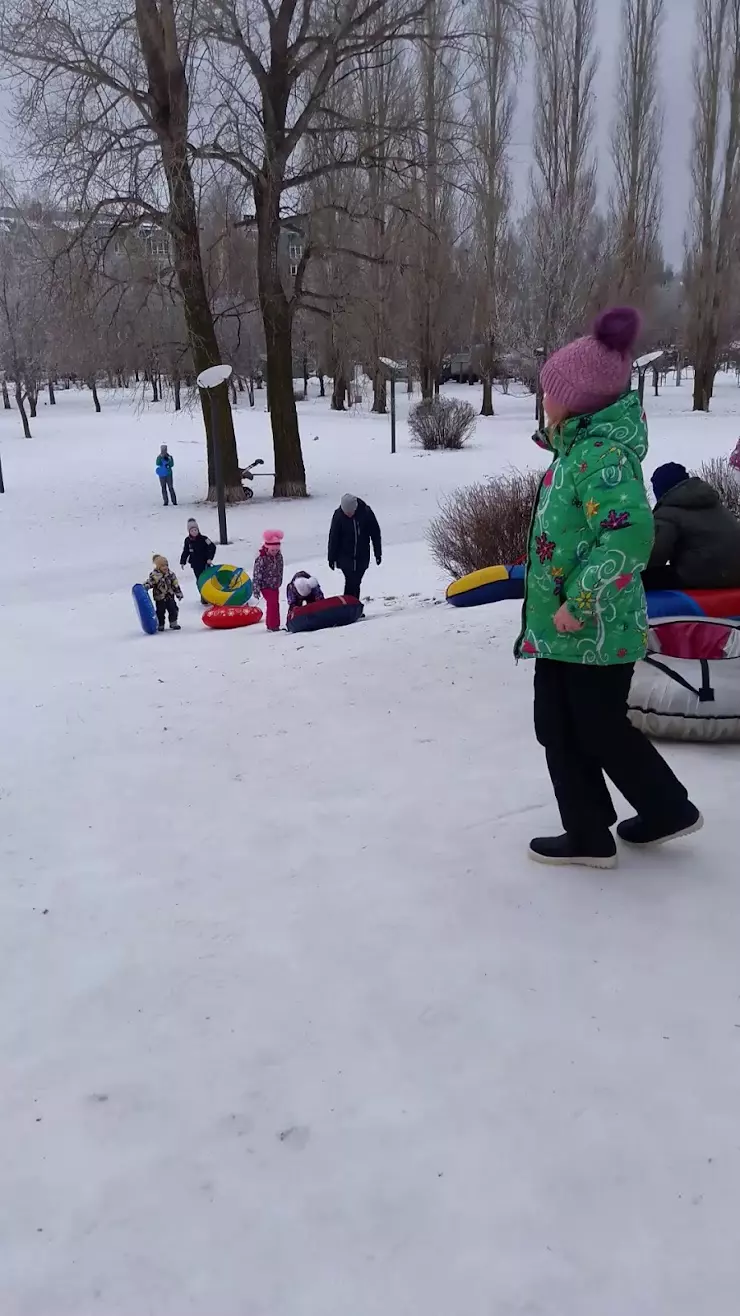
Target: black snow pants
{"x":580,"y":717}
{"x":167,"y":608}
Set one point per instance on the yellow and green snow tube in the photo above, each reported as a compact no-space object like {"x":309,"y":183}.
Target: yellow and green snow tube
{"x":225,"y":586}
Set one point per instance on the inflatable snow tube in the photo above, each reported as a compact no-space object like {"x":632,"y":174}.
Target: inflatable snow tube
{"x":224,"y":618}
{"x":693,"y":603}
{"x":688,"y":686}
{"x":341,"y":610}
{"x":490,"y":585}
{"x":144,"y":610}
{"x":225,"y":586}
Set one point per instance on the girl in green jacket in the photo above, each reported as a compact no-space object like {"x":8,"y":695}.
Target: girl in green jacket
{"x":584,"y":618}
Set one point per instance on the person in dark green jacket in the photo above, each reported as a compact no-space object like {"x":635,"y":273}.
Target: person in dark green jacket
{"x":584,"y":615}
{"x":697,"y":540}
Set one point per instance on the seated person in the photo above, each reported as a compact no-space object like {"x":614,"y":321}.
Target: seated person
{"x":697,"y":540}
{"x":303,"y":589}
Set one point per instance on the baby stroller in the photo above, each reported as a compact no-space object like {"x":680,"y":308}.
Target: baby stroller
{"x":247,"y":474}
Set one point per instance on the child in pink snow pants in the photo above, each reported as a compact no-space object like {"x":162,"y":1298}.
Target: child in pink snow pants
{"x":267,"y":576}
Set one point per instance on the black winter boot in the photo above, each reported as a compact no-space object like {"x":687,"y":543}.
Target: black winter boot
{"x":564,"y":850}
{"x":640,"y":831}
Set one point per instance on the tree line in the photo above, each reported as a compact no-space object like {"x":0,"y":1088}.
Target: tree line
{"x":272,"y":181}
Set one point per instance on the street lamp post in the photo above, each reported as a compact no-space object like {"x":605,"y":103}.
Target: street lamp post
{"x":539,"y":409}
{"x":208,"y":380}
{"x":392,"y":370}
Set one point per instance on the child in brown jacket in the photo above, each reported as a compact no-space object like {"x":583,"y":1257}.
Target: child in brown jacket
{"x":165,"y":588}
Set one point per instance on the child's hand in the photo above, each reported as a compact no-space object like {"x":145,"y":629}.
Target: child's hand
{"x":565,"y":622}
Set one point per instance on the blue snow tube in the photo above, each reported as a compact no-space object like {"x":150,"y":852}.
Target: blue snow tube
{"x":144,"y":610}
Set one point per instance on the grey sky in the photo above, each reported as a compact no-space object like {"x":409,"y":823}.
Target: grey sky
{"x":676,"y":91}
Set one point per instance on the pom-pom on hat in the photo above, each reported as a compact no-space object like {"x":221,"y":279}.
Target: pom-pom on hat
{"x":304,"y":585}
{"x":594,"y":371}
{"x":273,"y":537}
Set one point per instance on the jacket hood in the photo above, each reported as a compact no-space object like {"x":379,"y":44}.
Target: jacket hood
{"x":621,"y":423}
{"x":693,"y":493}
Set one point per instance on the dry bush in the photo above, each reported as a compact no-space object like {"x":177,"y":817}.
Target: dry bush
{"x":724,"y":479}
{"x":485,"y":524}
{"x":442,"y":423}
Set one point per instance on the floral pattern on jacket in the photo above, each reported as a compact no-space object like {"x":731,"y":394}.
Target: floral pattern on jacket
{"x":590,"y":538}
{"x":163,"y":584}
{"x":268,"y":571}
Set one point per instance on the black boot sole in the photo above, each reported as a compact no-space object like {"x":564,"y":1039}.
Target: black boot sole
{"x":663,"y":840}
{"x":577,"y":861}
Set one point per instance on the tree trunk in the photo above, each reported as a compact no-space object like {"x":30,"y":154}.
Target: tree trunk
{"x":22,"y":408}
{"x":380,"y":392}
{"x":277,"y":320}
{"x":250,"y":391}
{"x":427,"y":381}
{"x":168,"y":93}
{"x":52,"y":395}
{"x":92,"y":385}
{"x":232,"y":385}
{"x":6,"y":396}
{"x":176,"y":391}
{"x":487,"y":404}
{"x":703,"y":385}
{"x":155,"y":390}
{"x":32,"y":400}
{"x":322,"y":387}
{"x":306,"y":376}
{"x":338,"y":392}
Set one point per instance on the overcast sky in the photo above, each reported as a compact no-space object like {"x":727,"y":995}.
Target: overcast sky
{"x":676,"y":60}
{"x":676,"y":91}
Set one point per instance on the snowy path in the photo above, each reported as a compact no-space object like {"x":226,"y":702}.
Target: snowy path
{"x":290,"y":1026}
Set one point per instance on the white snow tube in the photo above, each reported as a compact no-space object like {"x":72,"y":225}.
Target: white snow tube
{"x":688,"y":686}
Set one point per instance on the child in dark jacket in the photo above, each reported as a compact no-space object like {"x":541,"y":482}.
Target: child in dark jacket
{"x":198,"y":549}
{"x":165,"y":588}
{"x":302,"y":589}
{"x":267,"y":576}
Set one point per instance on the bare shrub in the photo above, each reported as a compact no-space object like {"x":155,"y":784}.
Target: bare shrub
{"x":485,"y":524}
{"x":724,"y":479}
{"x":442,"y":423}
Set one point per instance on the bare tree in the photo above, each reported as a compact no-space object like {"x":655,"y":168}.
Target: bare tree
{"x":24,"y":318}
{"x":561,"y":242}
{"x":106,"y":86}
{"x":715,"y":169}
{"x":275,"y":67}
{"x":497,"y":47}
{"x":636,"y":146}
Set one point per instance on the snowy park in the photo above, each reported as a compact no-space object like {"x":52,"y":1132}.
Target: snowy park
{"x":291,"y":1026}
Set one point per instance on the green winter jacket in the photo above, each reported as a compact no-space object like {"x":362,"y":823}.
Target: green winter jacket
{"x":590,"y":538}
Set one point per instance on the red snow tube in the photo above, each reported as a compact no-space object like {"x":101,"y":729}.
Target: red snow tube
{"x":339,"y":611}
{"x":226,"y":619}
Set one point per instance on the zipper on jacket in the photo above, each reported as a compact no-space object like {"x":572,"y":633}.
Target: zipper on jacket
{"x":518,"y":645}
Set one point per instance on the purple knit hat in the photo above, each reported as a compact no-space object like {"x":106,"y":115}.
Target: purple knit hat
{"x":594,"y":371}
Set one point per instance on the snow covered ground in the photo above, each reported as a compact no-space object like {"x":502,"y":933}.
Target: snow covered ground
{"x":289,"y":1025}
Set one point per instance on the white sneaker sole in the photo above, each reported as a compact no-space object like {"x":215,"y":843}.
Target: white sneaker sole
{"x":575,"y":861}
{"x":663,"y":840}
